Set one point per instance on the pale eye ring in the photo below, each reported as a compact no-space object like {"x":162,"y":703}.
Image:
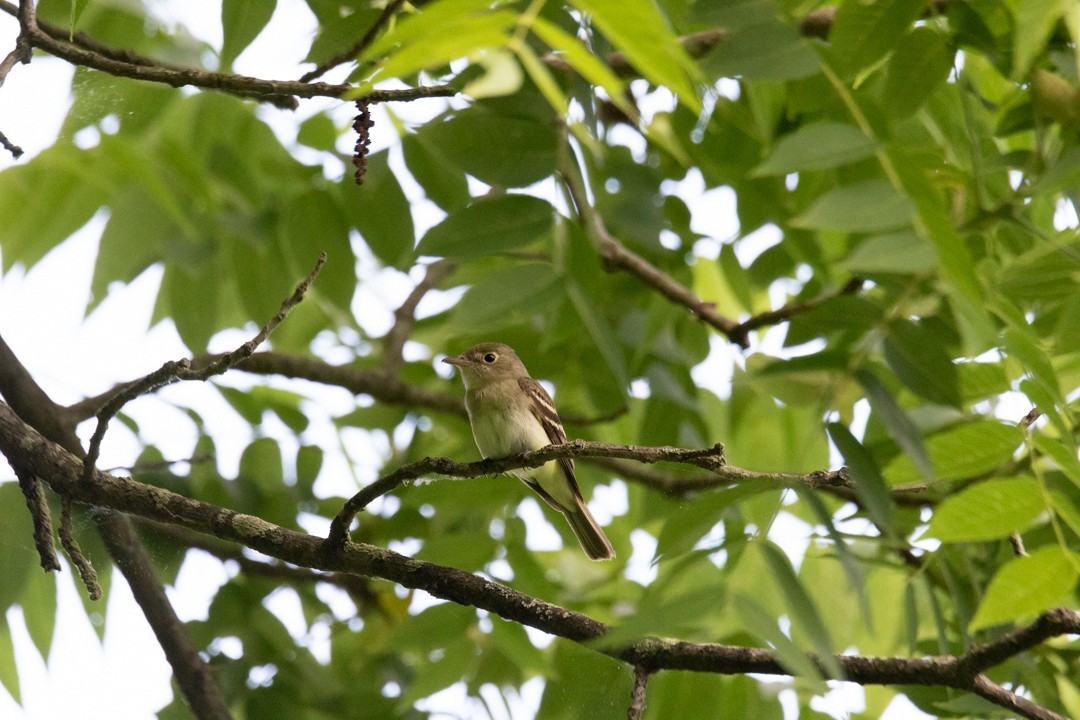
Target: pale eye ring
{"x":490,"y":358}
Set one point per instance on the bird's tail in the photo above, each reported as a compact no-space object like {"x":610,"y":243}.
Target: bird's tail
{"x":593,"y":540}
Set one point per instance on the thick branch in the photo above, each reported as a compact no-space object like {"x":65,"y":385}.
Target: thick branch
{"x":22,"y":445}
{"x":34,"y":406}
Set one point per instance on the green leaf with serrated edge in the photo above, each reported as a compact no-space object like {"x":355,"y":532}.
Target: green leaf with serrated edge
{"x":1027,"y":586}
{"x":961,"y":451}
{"x":988,"y":510}
{"x":9,"y":673}
{"x":643,"y":34}
{"x":899,"y":426}
{"x":869,"y":206}
{"x":869,"y":483}
{"x":920,"y":363}
{"x":800,"y":606}
{"x":490,"y":227}
{"x":815,"y":147}
{"x":241,"y":23}
{"x":922,"y":61}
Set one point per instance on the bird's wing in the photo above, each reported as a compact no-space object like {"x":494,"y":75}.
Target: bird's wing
{"x":543,"y":409}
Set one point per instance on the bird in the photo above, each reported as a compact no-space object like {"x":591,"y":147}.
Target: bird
{"x":510,"y":413}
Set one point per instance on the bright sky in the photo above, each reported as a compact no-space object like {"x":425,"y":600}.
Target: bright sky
{"x":127,"y":677}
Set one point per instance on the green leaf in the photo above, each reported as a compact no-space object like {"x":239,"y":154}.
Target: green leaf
{"x":815,"y":147}
{"x":444,"y":184}
{"x":504,"y":297}
{"x":497,"y":149}
{"x":9,"y":672}
{"x":1026,"y":586}
{"x":38,"y":604}
{"x":260,"y":464}
{"x":20,"y":559}
{"x":314,"y":222}
{"x":901,"y":253}
{"x":45,"y":201}
{"x":762,"y":623}
{"x":864,"y":32}
{"x":869,"y":206}
{"x":601,"y":333}
{"x":761,"y":47}
{"x":922,"y":61}
{"x":920,"y":362}
{"x":490,"y":227}
{"x":574,"y":52}
{"x":642,"y":33}
{"x":1035,"y":20}
{"x":988,"y":510}
{"x":380,"y":211}
{"x":869,"y":484}
{"x":899,"y":426}
{"x":804,"y":615}
{"x":241,"y":23}
{"x":318,"y":132}
{"x":962,"y":451}
{"x":440,"y":33}
{"x":1020,"y":345}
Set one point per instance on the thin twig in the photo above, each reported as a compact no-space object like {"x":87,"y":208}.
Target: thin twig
{"x":637,"y":696}
{"x":709,"y":458}
{"x":739,"y":334}
{"x":82,"y":564}
{"x":405,"y":316}
{"x":15,"y":150}
{"x":175,"y":370}
{"x":352,"y":53}
{"x":38,"y":505}
{"x":616,"y":256}
{"x":242,"y":85}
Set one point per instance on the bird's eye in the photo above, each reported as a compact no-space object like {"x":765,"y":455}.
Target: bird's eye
{"x":490,"y":358}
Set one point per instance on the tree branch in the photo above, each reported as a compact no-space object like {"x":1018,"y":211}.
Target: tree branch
{"x":352,"y":53}
{"x":123,"y":64}
{"x":405,"y":316}
{"x":37,"y":412}
{"x":617,"y":257}
{"x":25,"y":446}
{"x":710,"y":459}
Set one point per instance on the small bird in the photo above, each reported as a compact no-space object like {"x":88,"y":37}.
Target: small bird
{"x":511,"y":413}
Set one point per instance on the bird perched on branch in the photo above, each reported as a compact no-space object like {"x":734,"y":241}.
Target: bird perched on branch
{"x":511,"y":413}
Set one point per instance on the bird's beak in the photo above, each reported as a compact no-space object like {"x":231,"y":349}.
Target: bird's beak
{"x":457,"y":361}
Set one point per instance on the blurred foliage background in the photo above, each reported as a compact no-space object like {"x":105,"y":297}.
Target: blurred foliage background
{"x":926,"y":149}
